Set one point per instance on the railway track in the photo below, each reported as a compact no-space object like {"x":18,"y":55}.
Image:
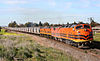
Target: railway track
{"x":93,"y":53}
{"x":90,"y":50}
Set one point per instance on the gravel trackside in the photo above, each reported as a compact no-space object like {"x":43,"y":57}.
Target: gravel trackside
{"x":81,"y":56}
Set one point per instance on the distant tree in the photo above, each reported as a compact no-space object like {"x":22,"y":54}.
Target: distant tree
{"x":56,"y":25}
{"x":87,"y":23}
{"x":80,"y":22}
{"x":74,"y":22}
{"x":35,"y":25}
{"x":51,"y":25}
{"x":21,"y":25}
{"x":46,"y":24}
{"x":67,"y":23}
{"x":13,"y":24}
{"x":29,"y":24}
{"x":60,"y":24}
{"x":0,"y":28}
{"x":93,"y":23}
{"x":40,"y":24}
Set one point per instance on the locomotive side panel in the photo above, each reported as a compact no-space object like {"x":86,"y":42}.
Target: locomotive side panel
{"x":74,"y":33}
{"x":46,"y":31}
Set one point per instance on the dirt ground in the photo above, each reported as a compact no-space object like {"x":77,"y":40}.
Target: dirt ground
{"x":81,"y":56}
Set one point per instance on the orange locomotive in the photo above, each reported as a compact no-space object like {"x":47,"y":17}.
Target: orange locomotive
{"x":79,"y":34}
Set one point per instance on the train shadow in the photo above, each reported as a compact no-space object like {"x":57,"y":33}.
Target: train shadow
{"x":86,"y":48}
{"x":95,"y":45}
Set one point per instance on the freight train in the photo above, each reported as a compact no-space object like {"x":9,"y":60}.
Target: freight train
{"x":78,"y":35}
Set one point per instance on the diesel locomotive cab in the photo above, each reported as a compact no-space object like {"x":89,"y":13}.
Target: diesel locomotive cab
{"x":84,"y":32}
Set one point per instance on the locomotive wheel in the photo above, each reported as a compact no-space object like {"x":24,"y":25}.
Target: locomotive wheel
{"x":67,"y":41}
{"x":56,"y":38}
{"x":60,"y":39}
{"x":50,"y":37}
{"x":53,"y":38}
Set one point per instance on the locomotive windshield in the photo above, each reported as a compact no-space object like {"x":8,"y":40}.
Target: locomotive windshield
{"x":86,"y":26}
{"x":79,"y":27}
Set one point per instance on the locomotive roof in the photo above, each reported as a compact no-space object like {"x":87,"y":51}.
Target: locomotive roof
{"x":63,"y":26}
{"x":71,"y":25}
{"x":46,"y":27}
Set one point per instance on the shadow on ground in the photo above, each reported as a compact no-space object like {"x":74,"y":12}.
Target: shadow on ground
{"x":94,"y":45}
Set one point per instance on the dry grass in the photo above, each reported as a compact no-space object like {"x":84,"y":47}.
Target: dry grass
{"x":96,"y":37}
{"x":24,"y":48}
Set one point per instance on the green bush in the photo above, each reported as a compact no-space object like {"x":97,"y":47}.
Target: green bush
{"x":26,"y":49}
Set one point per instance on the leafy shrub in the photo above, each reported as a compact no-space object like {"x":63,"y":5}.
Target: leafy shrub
{"x":24,"y":48}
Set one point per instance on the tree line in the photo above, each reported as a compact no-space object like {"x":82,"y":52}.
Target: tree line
{"x":0,"y":28}
{"x":31,"y":24}
{"x":28,"y":24}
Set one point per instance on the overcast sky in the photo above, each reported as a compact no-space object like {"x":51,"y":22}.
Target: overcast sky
{"x":52,"y":11}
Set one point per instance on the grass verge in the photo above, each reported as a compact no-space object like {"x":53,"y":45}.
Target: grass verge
{"x":24,"y":48}
{"x":96,"y":37}
{"x":3,"y":32}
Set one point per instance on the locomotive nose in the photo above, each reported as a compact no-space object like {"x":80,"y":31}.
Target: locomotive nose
{"x":85,"y":34}
{"x":88,"y":34}
{"x":85,"y":29}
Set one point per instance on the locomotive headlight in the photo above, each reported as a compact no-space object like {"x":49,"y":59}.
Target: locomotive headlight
{"x":90,"y":41}
{"x":78,"y":32}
